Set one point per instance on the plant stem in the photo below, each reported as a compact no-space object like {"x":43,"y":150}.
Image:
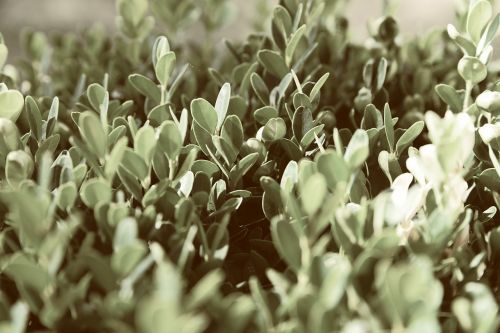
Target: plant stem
{"x":171,"y":169}
{"x":467,"y":98}
{"x":204,"y":239}
{"x":163,"y":90}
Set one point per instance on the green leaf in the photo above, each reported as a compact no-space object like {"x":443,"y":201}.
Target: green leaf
{"x":242,"y":167}
{"x":408,"y":137}
{"x":291,"y":149}
{"x":96,"y":95}
{"x":34,"y":118}
{"x":381,"y":73}
{"x":488,"y":35}
{"x":368,"y":74}
{"x":271,"y":200}
{"x":124,"y":260}
{"x":290,"y":176}
{"x":490,"y":135}
{"x":204,"y":114}
{"x":23,"y":270}
{"x":284,"y":84}
{"x":48,"y":146}
{"x":161,"y":47}
{"x":183,"y":124}
{"x":292,"y":44}
{"x":317,"y":86}
{"x":19,"y":313}
{"x":79,"y":173}
{"x":116,"y":134}
{"x":115,"y":157}
{"x":245,"y":82}
{"x":265,"y":113}
{"x":260,"y":88}
{"x":472,"y":69}
{"x":287,"y":242}
{"x":11,"y":104}
{"x":260,"y":300}
{"x":383,"y":162}
{"x":146,"y":87}
{"x":206,"y":289}
{"x":238,"y":106}
{"x":207,"y":167}
{"x":281,"y":26}
{"x":301,"y":100}
{"x":218,"y":236}
{"x":4,"y":52}
{"x":335,"y":281}
{"x":372,"y":118}
{"x":159,"y":114}
{"x":100,"y":269}
{"x":93,"y":133}
{"x":389,"y":127}
{"x":464,"y":43}
{"x":302,"y":122}
{"x":51,"y":119}
{"x":232,"y":132}
{"x":132,"y":125}
{"x":273,"y":63}
{"x":358,"y":150}
{"x":310,"y":135}
{"x":170,"y":139}
{"x":489,"y":101}
{"x":95,"y":191}
{"x":126,"y":233}
{"x":222,"y":103}
{"x":164,"y":68}
{"x":160,"y":164}
{"x":450,"y":96}
{"x":66,"y":196}
{"x":18,"y":166}
{"x":274,"y":129}
{"x":176,"y":81}
{"x":145,"y":143}
{"x":490,"y":179}
{"x":313,"y":193}
{"x":479,"y":15}
{"x":154,"y":193}
{"x":134,"y":163}
{"x":30,"y":211}
{"x":225,"y":149}
{"x":188,"y":162}
{"x":203,"y":138}
{"x":130,"y":182}
{"x":132,"y":10}
{"x":186,"y":183}
{"x":478,"y":311}
{"x":334,"y":168}
{"x":216,"y":76}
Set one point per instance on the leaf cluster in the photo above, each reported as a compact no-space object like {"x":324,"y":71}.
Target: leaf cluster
{"x":293,"y":182}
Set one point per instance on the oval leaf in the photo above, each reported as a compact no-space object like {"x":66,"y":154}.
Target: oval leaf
{"x":11,"y":104}
{"x":204,"y":114}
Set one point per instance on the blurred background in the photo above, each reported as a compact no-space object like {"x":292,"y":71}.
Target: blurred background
{"x":415,"y":16}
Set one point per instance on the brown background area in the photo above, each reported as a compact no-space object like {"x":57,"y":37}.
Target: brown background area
{"x":415,"y":16}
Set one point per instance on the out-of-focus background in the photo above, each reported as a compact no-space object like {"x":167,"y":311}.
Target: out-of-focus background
{"x":415,"y":16}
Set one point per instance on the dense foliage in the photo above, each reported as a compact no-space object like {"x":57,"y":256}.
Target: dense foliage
{"x":295,"y":182}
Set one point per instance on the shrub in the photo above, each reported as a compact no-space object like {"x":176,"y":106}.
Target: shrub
{"x":294,"y":182}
